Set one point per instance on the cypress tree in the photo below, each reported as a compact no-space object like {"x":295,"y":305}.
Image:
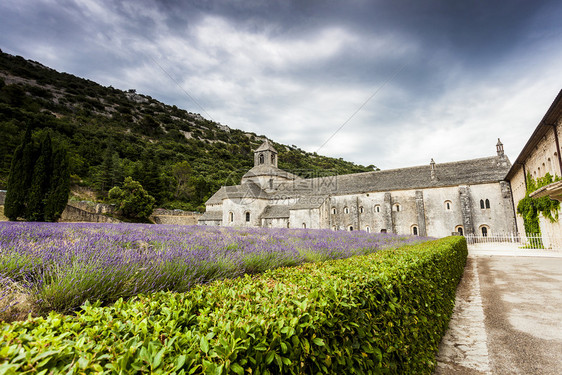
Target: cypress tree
{"x":19,"y":180}
{"x":59,"y":189}
{"x":105,"y":181}
{"x":40,"y":181}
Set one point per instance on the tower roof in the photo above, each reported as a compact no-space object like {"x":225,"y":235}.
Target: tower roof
{"x":266,"y":146}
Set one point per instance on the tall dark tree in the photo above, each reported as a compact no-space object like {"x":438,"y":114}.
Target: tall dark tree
{"x":40,"y":181}
{"x":19,"y":181}
{"x":59,"y":189}
{"x":111,"y":171}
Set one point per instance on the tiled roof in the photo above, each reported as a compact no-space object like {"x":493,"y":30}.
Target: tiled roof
{"x":211,"y":215}
{"x":266,"y":146}
{"x":269,"y":170}
{"x":275,"y":212}
{"x":466,"y":172}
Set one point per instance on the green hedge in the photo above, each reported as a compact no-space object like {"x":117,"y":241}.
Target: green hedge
{"x":380,"y":313}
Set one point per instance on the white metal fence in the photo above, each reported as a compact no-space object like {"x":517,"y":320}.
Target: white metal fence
{"x":515,"y":240}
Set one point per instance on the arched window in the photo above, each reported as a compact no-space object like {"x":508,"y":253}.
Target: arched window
{"x":484,"y":231}
{"x":377,"y":208}
{"x":361,"y":209}
{"x":334,"y":211}
{"x":459,"y":229}
{"x":261,"y":159}
{"x":482,"y":203}
{"x":448,"y":205}
{"x":487,"y":203}
{"x":334,"y":228}
{"x":368,"y":229}
{"x":231,"y":217}
{"x":350,"y":228}
{"x":304,"y":225}
{"x":345,"y":210}
{"x":415,"y":230}
{"x":247,"y":217}
{"x":397,"y":207}
{"x":272,"y":158}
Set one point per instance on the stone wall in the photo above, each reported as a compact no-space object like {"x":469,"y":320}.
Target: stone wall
{"x":542,"y":159}
{"x":75,"y":214}
{"x":173,"y":217}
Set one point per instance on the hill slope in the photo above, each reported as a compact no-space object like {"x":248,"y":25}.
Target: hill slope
{"x":180,"y":157}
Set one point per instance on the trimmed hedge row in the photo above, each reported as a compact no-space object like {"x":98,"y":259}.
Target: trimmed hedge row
{"x":381,"y":313}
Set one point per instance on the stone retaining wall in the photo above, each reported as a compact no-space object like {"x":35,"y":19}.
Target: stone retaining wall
{"x":75,"y":214}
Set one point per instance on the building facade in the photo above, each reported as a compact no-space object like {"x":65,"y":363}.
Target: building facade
{"x":468,"y":197}
{"x":541,"y":155}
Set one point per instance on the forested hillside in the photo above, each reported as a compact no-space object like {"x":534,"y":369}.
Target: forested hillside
{"x":178,"y":156}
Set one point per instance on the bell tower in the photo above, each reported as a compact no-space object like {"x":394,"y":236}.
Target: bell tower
{"x":265,"y":155}
{"x":499,"y":148}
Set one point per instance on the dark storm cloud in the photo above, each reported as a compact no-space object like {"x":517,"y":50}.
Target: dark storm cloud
{"x":444,"y":78}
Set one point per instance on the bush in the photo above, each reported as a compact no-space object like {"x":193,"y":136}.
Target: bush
{"x":134,"y":202}
{"x":380,"y":313}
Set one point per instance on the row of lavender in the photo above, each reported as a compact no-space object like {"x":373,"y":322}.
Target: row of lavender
{"x":62,"y":265}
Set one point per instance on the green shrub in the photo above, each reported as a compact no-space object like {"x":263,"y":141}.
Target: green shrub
{"x":383,"y":313}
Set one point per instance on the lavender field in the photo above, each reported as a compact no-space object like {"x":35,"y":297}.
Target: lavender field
{"x":60,"y":266}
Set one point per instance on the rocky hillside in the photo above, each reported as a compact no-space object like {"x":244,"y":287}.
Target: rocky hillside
{"x":180,"y":157}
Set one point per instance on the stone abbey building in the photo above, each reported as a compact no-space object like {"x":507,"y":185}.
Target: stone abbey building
{"x":467,"y":197}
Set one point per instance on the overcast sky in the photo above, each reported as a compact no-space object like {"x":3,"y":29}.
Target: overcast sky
{"x":407,"y":80}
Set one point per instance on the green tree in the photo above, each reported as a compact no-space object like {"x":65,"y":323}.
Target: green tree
{"x":111,"y":171}
{"x":40,"y":181}
{"x":182,"y":174}
{"x":19,"y":180}
{"x":59,"y":189}
{"x":134,"y":202}
{"x":38,"y":185}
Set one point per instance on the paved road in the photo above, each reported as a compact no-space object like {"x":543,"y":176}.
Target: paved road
{"x":507,"y":316}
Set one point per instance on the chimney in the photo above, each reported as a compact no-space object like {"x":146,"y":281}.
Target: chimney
{"x":432,"y":165}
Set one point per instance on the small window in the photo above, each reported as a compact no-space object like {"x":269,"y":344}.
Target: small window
{"x":350,"y":228}
{"x":361,"y":209}
{"x":345,"y":210}
{"x":272,"y":158}
{"x":487,"y":203}
{"x":448,"y":205}
{"x":484,"y":231}
{"x":247,"y":217}
{"x":397,"y":207}
{"x":288,"y":224}
{"x":334,"y":211}
{"x":482,"y":203}
{"x":377,"y":208}
{"x":459,"y":229}
{"x":261,"y":159}
{"x":231,"y":217}
{"x":368,"y":229}
{"x":414,"y":230}
{"x":334,"y":228}
{"x":304,"y":225}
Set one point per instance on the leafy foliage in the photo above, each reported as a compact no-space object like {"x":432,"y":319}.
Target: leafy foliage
{"x":113,"y":134}
{"x":133,"y":201}
{"x":383,"y":313}
{"x":529,"y":208}
{"x":38,"y":186}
